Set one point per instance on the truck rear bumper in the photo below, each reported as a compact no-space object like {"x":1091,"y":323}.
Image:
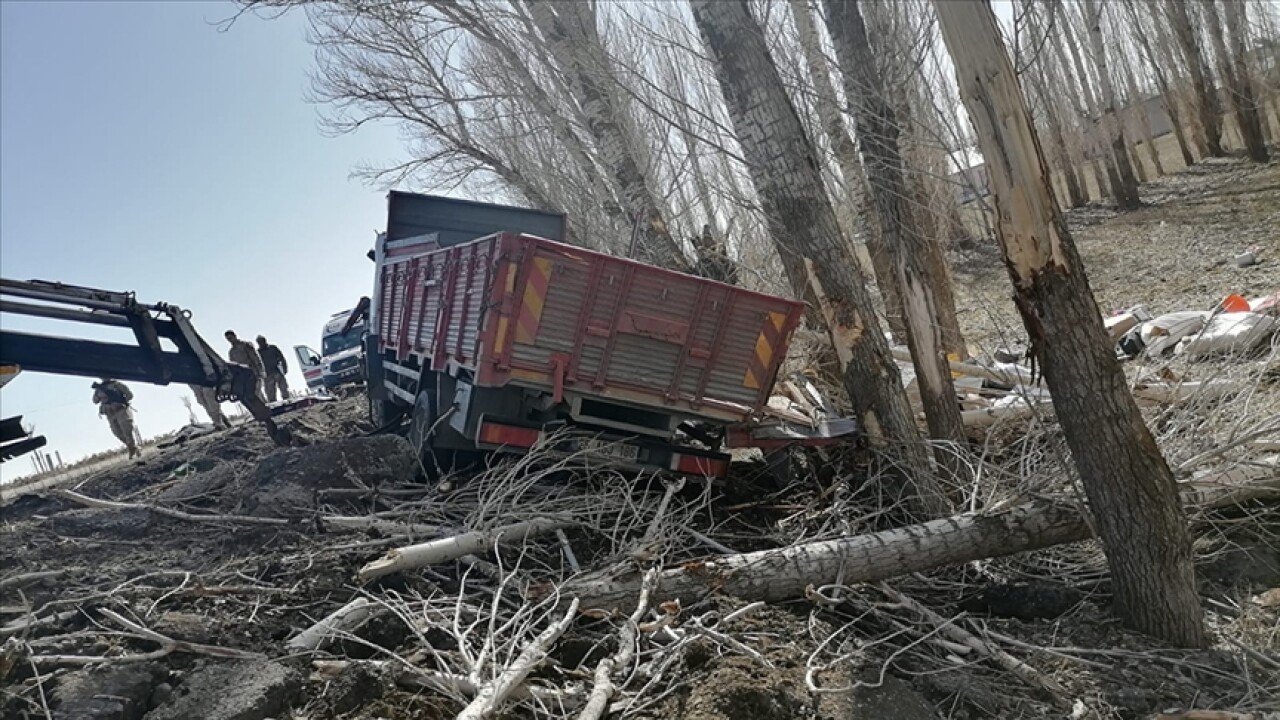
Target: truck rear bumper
{"x":627,"y":453}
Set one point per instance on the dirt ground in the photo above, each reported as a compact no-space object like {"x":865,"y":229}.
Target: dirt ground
{"x":1174,"y":254}
{"x":248,"y":548}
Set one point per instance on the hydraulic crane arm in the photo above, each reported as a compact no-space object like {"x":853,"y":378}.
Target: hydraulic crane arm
{"x":190,"y":360}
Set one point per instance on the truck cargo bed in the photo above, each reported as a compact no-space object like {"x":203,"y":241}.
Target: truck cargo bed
{"x":516,"y":309}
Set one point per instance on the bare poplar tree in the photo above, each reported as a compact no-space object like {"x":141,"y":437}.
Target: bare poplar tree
{"x":1236,"y":70}
{"x":915,"y":279}
{"x":784,"y":170}
{"x":1138,"y":107}
{"x":1104,"y":149}
{"x":846,"y":155}
{"x":1158,"y":64}
{"x":1207,"y":106}
{"x":1077,"y":87}
{"x":931,"y":202}
{"x":1038,"y":77}
{"x":1131,"y":490}
{"x":1126,"y":192}
{"x":572,"y":36}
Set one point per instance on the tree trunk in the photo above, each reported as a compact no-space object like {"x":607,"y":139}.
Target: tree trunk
{"x":1138,"y":105}
{"x":1082,"y":101}
{"x":1094,"y":120}
{"x":1168,"y":93}
{"x":917,"y":280}
{"x":570,"y":34}
{"x":846,"y":154}
{"x":1198,"y":69}
{"x":1258,"y":64}
{"x":1076,"y":197}
{"x":1242,"y":94}
{"x":933,"y":211}
{"x":795,"y":571}
{"x":1184,"y":92}
{"x":784,"y":169}
{"x":1132,"y":495}
{"x":1126,"y":193}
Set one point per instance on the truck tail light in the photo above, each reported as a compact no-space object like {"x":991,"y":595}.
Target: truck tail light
{"x":492,"y":433}
{"x":699,"y":465}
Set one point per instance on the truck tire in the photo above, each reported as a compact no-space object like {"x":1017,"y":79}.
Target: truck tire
{"x":422,"y":419}
{"x":424,"y":426}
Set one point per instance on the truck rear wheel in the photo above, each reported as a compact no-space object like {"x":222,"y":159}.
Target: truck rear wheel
{"x":422,"y":420}
{"x":425,"y":426}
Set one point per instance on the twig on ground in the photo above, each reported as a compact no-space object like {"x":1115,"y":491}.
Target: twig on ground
{"x":603,"y":687}
{"x":31,"y":577}
{"x":1025,"y":672}
{"x":568,"y":551}
{"x":344,"y":619}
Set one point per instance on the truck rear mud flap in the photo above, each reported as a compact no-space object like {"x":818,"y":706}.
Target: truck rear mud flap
{"x":626,"y":453}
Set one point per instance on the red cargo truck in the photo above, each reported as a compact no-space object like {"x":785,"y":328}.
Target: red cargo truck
{"x":494,"y":336}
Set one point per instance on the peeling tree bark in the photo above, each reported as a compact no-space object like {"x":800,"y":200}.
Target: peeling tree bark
{"x":917,"y":281}
{"x":785,"y":171}
{"x":1130,"y":488}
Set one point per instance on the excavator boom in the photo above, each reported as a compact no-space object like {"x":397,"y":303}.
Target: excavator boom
{"x":190,"y":360}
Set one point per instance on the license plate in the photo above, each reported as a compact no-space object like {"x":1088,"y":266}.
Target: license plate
{"x":609,"y":448}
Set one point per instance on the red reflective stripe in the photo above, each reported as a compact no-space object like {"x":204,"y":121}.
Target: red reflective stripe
{"x":698,"y":465}
{"x":496,"y":434}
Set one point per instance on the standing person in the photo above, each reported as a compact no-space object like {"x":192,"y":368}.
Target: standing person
{"x":244,"y":354}
{"x":208,"y":399}
{"x":112,"y":399}
{"x":276,"y":369}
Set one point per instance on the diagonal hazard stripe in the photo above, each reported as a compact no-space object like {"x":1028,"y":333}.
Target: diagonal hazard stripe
{"x":766,"y":346}
{"x":535,"y":297}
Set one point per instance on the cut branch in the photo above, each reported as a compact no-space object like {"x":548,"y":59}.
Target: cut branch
{"x":452,"y":548}
{"x":491,"y":696}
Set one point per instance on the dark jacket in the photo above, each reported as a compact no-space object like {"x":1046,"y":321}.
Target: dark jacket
{"x":112,"y":392}
{"x":273,"y":360}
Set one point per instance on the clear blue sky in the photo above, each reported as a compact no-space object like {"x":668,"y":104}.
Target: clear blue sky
{"x":141,"y":149}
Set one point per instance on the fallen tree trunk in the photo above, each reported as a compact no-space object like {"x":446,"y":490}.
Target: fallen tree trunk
{"x":785,"y":573}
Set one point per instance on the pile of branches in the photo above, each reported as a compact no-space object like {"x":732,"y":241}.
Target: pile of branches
{"x":554,"y":587}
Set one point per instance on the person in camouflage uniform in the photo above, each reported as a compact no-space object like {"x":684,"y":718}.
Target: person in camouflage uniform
{"x":276,"y":368}
{"x":112,"y":398}
{"x":243,"y":353}
{"x":208,"y":399}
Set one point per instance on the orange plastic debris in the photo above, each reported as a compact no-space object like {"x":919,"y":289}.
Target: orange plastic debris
{"x":1235,"y":303}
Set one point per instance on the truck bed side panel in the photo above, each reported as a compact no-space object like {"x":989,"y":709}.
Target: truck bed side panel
{"x":442,"y":304}
{"x":522,"y":309}
{"x":617,"y":328}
